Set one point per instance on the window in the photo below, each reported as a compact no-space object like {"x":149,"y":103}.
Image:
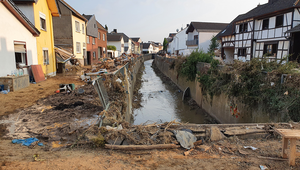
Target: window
{"x":99,"y":35}
{"x":20,"y":54}
{"x":95,"y":26}
{"x":77,"y":26}
{"x":46,"y":57}
{"x":94,"y":55}
{"x":78,"y":49}
{"x":83,"y":44}
{"x":244,"y":27}
{"x":93,"y":40}
{"x":270,"y":49}
{"x":195,"y":37}
{"x":43,"y":21}
{"x":265,"y":24}
{"x":103,"y":37}
{"x":87,"y":39}
{"x":242,"y":51}
{"x":279,"y":21}
{"x":82,"y":28}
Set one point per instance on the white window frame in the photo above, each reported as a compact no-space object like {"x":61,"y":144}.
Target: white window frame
{"x":87,"y":39}
{"x":99,"y":35}
{"x":43,"y":16}
{"x":78,"y":47}
{"x":77,"y":26}
{"x":103,"y":37}
{"x":83,"y":28}
{"x":94,"y":40}
{"x":46,"y":58}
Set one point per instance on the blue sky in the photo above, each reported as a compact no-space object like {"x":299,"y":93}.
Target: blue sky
{"x":152,"y":20}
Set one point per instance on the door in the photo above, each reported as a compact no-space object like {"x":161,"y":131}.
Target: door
{"x":88,"y":58}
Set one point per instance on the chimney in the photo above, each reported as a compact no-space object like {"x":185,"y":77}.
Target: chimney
{"x":187,"y":25}
{"x":115,"y":31}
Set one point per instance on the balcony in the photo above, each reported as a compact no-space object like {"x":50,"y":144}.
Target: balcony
{"x":192,"y":42}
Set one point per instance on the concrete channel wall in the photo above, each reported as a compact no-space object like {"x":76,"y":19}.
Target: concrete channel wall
{"x":218,"y":106}
{"x":131,"y":76}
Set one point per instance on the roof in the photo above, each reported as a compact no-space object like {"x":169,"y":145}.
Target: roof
{"x":114,"y":37}
{"x":229,"y":29}
{"x":172,"y":34}
{"x":74,"y":12}
{"x":295,"y":29}
{"x":271,"y":7}
{"x":87,"y":17}
{"x":52,"y":4}
{"x":136,"y":39}
{"x":125,"y":37}
{"x":146,"y":45}
{"x":62,"y":55}
{"x":21,"y":17}
{"x":100,"y":26}
{"x":206,"y":26}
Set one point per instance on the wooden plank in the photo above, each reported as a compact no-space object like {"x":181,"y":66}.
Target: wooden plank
{"x":289,"y":133}
{"x":38,"y":73}
{"x":243,"y":131}
{"x":292,"y":156}
{"x":141,"y":147}
{"x":284,"y":147}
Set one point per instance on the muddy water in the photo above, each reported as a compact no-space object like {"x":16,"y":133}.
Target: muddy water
{"x":162,"y":102}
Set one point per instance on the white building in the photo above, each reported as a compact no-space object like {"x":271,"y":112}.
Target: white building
{"x":270,"y":29}
{"x":199,"y":34}
{"x":148,"y":48}
{"x":178,"y":44}
{"x":17,"y":39}
{"x":117,"y":41}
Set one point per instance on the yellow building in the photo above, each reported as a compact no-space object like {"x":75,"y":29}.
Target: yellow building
{"x":40,"y":13}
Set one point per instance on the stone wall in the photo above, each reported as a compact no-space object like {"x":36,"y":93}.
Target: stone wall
{"x":218,"y":106}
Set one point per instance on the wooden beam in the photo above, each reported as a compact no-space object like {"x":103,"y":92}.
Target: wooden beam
{"x":141,"y":147}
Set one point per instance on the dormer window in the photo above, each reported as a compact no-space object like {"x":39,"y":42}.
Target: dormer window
{"x":244,"y":27}
{"x":279,"y":21}
{"x":265,"y":24}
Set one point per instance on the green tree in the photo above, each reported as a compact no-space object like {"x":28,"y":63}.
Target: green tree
{"x":213,"y":45}
{"x":111,"y":47}
{"x":165,"y":44}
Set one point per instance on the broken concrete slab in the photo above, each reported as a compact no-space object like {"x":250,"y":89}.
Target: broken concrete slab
{"x":215,"y":134}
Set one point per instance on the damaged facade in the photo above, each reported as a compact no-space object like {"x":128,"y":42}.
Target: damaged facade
{"x":270,"y":30}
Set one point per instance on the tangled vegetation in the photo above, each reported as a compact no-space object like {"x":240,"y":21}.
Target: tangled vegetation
{"x":187,"y":66}
{"x":273,"y":84}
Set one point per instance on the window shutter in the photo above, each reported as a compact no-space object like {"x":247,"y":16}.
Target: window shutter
{"x":19,"y":48}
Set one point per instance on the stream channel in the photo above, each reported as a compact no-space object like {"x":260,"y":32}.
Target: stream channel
{"x":162,"y":102}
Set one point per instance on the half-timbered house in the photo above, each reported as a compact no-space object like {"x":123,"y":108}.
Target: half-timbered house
{"x":269,"y":30}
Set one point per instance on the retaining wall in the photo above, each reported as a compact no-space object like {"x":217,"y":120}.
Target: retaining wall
{"x":218,"y":106}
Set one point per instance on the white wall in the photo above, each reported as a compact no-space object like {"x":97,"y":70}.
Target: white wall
{"x":204,"y":40}
{"x":118,"y":45}
{"x":14,"y":31}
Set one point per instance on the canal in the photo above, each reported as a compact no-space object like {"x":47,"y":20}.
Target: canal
{"x":162,"y":102}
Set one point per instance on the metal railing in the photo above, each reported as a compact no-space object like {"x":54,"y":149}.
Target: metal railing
{"x":191,"y":42}
{"x":100,"y":88}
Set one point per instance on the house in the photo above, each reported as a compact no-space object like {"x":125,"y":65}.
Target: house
{"x":102,"y":41}
{"x":116,"y":40}
{"x":138,"y":41}
{"x":17,"y":39}
{"x":127,"y":41}
{"x":91,"y":42}
{"x":40,"y":13}
{"x":147,"y":48}
{"x":270,"y":30}
{"x":178,"y":43}
{"x":70,"y":31}
{"x":199,"y":34}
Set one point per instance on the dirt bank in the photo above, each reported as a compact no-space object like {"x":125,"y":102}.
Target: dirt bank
{"x":27,"y":97}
